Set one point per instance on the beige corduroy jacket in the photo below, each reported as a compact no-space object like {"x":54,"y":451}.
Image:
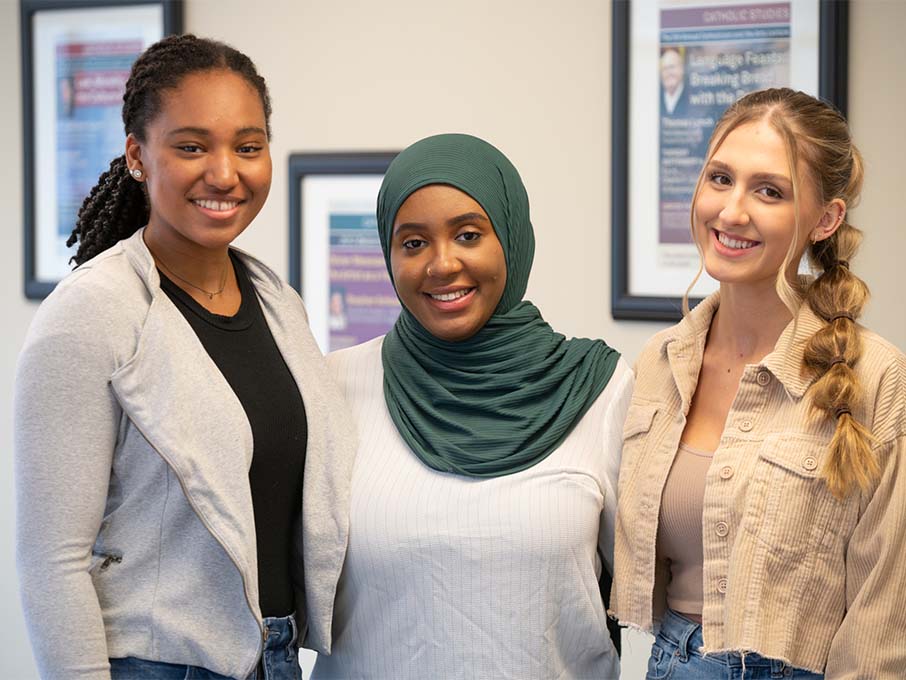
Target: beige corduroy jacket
{"x":790,"y":572}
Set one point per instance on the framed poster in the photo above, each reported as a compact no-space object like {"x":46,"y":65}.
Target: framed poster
{"x":76,"y":57}
{"x":677,"y":65}
{"x":335,"y":258}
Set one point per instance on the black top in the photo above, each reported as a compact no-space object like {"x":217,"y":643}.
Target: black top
{"x":244,"y":350}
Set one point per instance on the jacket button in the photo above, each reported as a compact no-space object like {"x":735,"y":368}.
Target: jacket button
{"x":763,"y":378}
{"x":722,"y":585}
{"x":746,"y":425}
{"x":810,"y":463}
{"x":726,"y":472}
{"x":721,"y":529}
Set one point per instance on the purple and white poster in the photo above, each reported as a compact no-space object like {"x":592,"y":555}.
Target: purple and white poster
{"x":708,"y":58}
{"x":81,"y":58}
{"x":344,"y":280}
{"x":688,"y":61}
{"x":91,"y":78}
{"x":362,"y":303}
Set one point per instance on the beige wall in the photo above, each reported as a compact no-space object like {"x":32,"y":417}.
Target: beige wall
{"x":531,"y":76}
{"x":877,"y":102}
{"x":15,"y":658}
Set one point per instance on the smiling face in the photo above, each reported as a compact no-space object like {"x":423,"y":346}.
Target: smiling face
{"x":206,"y":160}
{"x":745,"y":217}
{"x":448,"y":265}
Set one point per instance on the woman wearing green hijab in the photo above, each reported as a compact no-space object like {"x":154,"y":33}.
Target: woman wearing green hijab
{"x":484,"y":489}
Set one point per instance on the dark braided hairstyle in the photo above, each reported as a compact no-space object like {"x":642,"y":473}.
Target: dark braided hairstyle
{"x":816,"y":133}
{"x":118,"y":206}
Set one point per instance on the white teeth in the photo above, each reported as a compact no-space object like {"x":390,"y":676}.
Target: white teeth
{"x":447,"y":297}
{"x":219,"y":206}
{"x":733,"y":243}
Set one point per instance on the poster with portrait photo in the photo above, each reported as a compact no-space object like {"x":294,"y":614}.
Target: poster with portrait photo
{"x":76,"y":60}
{"x":681,"y":64}
{"x":709,"y":57}
{"x":362,"y":302}
{"x":90,"y":74}
{"x":336,"y":261}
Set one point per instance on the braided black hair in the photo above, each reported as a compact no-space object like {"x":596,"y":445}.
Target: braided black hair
{"x":118,"y":206}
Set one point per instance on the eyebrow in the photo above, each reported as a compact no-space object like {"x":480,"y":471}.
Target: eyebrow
{"x":465,"y":218}
{"x":189,"y":130}
{"x":760,"y":176}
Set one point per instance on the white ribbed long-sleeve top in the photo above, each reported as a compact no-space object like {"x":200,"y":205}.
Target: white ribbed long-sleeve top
{"x":449,"y":576}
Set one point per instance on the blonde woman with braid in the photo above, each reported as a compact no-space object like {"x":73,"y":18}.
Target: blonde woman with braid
{"x":761,"y":526}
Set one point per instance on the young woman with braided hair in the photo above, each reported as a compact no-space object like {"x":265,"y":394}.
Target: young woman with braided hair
{"x":182,"y":457}
{"x":762,"y":500}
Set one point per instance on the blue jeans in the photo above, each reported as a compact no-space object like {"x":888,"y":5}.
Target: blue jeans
{"x":279,"y":661}
{"x":675,"y":654}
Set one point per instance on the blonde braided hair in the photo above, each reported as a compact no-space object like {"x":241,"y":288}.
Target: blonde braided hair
{"x":817,"y":134}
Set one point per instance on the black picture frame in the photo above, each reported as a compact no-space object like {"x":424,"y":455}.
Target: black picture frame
{"x":833,"y":59}
{"x":335,"y":260}
{"x":37,"y":286}
{"x":302,"y":165}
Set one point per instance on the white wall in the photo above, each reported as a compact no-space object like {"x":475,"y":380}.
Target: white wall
{"x":532,"y":77}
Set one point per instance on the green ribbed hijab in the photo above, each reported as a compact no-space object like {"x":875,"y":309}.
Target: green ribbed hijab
{"x":504,"y":399}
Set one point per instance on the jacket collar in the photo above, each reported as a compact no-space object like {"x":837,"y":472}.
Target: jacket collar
{"x":786,"y":361}
{"x":143,"y":263}
{"x":210,"y":450}
{"x":164,"y":387}
{"x":684,"y":346}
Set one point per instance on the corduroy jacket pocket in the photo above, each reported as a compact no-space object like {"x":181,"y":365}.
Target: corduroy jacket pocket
{"x":639,"y":418}
{"x":637,"y":445}
{"x":789,"y":508}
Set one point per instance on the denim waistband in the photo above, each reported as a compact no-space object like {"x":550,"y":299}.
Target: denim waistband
{"x":280,"y":632}
{"x":687,"y":635}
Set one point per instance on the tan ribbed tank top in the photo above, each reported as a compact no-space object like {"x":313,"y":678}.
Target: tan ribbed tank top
{"x":679,"y":534}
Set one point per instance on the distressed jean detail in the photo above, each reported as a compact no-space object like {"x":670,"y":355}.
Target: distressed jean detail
{"x":676,"y":655}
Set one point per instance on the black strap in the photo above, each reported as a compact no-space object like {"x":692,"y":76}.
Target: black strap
{"x":614,"y":628}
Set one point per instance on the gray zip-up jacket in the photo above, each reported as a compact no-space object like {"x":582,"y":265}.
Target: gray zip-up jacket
{"x":135,"y":532}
